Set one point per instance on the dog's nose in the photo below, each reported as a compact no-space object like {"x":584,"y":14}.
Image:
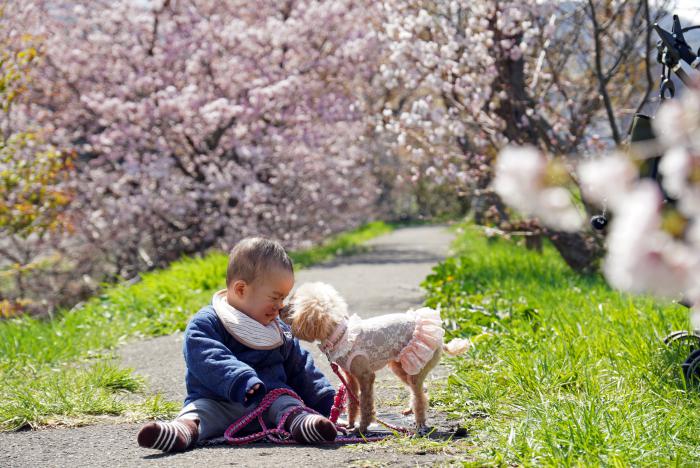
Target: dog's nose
{"x":285,"y":312}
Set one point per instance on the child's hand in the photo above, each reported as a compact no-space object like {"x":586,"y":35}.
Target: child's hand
{"x":251,"y":392}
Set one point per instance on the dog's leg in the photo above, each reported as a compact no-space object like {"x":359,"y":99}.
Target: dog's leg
{"x":403,"y":376}
{"x":365,"y":377}
{"x":367,"y":412}
{"x":353,"y":405}
{"x":420,"y":397}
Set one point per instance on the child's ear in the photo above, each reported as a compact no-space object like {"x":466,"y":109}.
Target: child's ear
{"x":239,"y":287}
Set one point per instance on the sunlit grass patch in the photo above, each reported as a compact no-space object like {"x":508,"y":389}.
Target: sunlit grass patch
{"x":62,"y":395}
{"x":565,"y":370}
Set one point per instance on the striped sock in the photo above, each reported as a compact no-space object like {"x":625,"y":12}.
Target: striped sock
{"x":308,"y":428}
{"x":176,"y":436}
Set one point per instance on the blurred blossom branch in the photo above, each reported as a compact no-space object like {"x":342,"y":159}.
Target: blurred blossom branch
{"x":653,"y":241}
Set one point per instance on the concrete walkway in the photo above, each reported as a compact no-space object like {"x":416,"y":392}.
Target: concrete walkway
{"x":384,"y":279}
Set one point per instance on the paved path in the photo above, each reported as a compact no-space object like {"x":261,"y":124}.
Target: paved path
{"x":383,"y":279}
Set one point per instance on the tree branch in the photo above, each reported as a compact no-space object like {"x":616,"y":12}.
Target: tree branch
{"x":602,"y":82}
{"x":647,"y":62}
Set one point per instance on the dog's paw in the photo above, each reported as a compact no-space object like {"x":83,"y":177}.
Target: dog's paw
{"x":407,"y":411}
{"x":361,"y":429}
{"x":423,"y":431}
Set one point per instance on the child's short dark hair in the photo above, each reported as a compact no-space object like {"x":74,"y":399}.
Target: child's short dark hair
{"x":253,"y":256}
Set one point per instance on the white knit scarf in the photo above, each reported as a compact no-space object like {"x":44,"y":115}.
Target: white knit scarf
{"x":246,"y":330}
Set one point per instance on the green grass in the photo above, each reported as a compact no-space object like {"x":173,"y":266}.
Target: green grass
{"x":60,"y":371}
{"x":71,"y":395}
{"x":343,"y":244}
{"x":565,"y":371}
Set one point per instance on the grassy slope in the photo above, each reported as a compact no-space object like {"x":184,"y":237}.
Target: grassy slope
{"x":565,"y":370}
{"x":61,"y":371}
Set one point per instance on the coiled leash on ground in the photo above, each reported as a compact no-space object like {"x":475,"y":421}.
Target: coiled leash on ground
{"x":279,"y":435}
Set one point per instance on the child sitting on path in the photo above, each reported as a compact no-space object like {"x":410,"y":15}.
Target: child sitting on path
{"x":236,"y":350}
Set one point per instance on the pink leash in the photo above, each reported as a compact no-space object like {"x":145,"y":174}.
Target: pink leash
{"x":279,"y":435}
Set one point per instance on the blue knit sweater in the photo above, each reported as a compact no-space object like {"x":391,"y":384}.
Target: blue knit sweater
{"x":221,"y":368}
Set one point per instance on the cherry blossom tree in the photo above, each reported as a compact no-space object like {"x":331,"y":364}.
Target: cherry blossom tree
{"x":198,"y":122}
{"x":194,"y":123}
{"x":34,"y":197}
{"x":468,"y":78}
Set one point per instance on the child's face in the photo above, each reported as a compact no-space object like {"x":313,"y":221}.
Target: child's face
{"x":262,"y":299}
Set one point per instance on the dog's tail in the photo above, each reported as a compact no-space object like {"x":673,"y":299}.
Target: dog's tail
{"x":457,"y":346}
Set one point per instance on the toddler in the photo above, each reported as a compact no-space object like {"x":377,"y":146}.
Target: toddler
{"x":236,"y":350}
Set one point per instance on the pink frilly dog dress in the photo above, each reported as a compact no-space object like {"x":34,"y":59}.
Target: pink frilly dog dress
{"x":410,"y":338}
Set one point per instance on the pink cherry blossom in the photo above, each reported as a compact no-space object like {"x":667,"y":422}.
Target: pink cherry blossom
{"x":642,"y":257}
{"x":520,"y":181}
{"x":607,"y":180}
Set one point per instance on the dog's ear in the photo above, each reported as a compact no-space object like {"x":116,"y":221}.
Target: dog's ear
{"x":310,"y":321}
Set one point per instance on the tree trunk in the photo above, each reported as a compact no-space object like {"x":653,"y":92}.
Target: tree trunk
{"x":580,"y":250}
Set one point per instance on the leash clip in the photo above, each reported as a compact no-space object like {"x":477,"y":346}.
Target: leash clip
{"x":667,"y":86}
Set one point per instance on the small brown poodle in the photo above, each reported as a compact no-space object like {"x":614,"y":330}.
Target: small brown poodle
{"x":410,"y":343}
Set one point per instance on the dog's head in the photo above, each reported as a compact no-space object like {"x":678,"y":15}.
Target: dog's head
{"x":314,"y":310}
